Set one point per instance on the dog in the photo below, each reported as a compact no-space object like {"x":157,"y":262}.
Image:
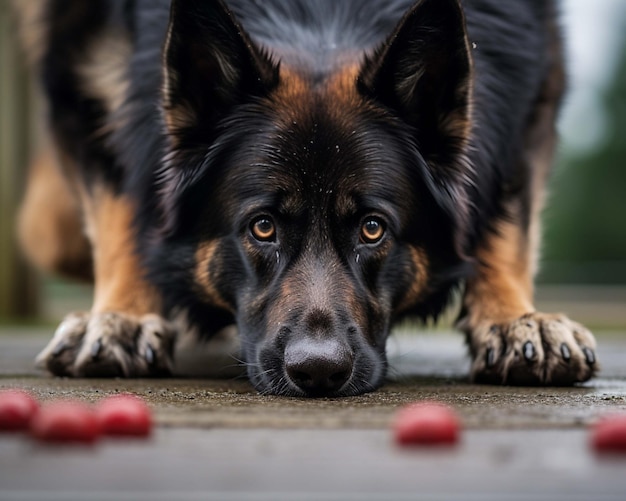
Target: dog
{"x":309,"y":171}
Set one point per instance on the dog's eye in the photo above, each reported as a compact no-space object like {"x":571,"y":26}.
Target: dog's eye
{"x":372,"y":230}
{"x":263,"y":229}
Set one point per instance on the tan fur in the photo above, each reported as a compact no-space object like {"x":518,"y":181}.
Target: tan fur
{"x":419,"y":272}
{"x":49,"y":222}
{"x":104,"y":71}
{"x":343,"y":83}
{"x":502,"y":290}
{"x":120,"y":284}
{"x":178,"y":118}
{"x":291,"y":90}
{"x":314,"y":298}
{"x":32,"y":27}
{"x":294,"y":91}
{"x":204,"y":257}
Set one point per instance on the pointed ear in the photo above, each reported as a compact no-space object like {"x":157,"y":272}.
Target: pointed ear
{"x":210,"y":65}
{"x":423,"y":72}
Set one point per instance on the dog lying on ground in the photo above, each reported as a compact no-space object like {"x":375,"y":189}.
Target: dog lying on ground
{"x":311,"y":171}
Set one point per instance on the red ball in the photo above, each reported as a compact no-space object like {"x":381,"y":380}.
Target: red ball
{"x":609,"y":434}
{"x":66,"y":421}
{"x":124,"y":415}
{"x":426,"y":423}
{"x":17,"y":409}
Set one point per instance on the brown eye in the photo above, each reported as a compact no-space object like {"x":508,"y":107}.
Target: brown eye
{"x":372,"y":230}
{"x":263,"y":229}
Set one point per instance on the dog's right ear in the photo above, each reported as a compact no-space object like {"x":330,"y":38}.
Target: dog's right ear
{"x":423,"y":72}
{"x":210,"y":65}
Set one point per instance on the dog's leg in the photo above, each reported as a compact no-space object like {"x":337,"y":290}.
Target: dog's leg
{"x":123,"y":335}
{"x":50,"y":228}
{"x":509,"y":341}
{"x":83,"y":50}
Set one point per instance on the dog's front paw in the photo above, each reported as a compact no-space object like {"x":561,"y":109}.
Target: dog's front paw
{"x":108,"y":345}
{"x":535,"y":349}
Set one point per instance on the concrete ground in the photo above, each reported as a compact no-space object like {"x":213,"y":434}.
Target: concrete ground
{"x":217,"y":439}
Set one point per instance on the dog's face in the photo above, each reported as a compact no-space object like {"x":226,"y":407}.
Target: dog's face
{"x":313,"y":258}
{"x":318,"y":212}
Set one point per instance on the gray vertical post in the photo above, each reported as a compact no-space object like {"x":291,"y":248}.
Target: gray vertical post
{"x":18,"y":290}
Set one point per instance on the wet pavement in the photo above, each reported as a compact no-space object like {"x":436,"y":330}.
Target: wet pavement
{"x":218,"y":439}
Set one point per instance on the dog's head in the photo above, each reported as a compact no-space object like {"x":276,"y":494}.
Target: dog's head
{"x":318,"y":210}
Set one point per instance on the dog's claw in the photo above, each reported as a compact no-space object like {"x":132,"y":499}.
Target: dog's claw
{"x":566,"y":353}
{"x":529,"y":351}
{"x":110,"y":345}
{"x":536,"y":348}
{"x":96,"y":348}
{"x":490,"y":357}
{"x":589,"y":356}
{"x":149,"y":355}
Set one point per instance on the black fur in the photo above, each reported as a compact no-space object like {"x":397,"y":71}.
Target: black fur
{"x":204,"y":150}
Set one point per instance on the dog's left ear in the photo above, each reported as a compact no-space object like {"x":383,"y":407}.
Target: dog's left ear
{"x":210,"y":65}
{"x":423,"y":73}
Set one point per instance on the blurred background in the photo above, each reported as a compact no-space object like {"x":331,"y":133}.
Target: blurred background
{"x":583,"y":270}
{"x":585,"y":222}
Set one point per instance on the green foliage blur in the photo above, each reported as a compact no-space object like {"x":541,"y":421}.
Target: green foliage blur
{"x":585,"y":222}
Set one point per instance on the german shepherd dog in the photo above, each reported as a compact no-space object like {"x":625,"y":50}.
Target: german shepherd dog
{"x":310,"y":171}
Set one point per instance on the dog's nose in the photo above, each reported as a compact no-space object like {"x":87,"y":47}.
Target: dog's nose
{"x":318,"y":367}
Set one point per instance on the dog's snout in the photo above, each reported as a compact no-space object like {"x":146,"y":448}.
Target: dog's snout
{"x":318,"y":367}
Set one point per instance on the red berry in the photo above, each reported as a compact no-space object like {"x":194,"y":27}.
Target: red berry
{"x":426,"y":423}
{"x":17,"y":409}
{"x":125,"y":415}
{"x":65,"y":421}
{"x":609,"y":434}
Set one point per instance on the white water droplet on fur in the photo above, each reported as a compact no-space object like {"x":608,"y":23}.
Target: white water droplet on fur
{"x":358,"y":257}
